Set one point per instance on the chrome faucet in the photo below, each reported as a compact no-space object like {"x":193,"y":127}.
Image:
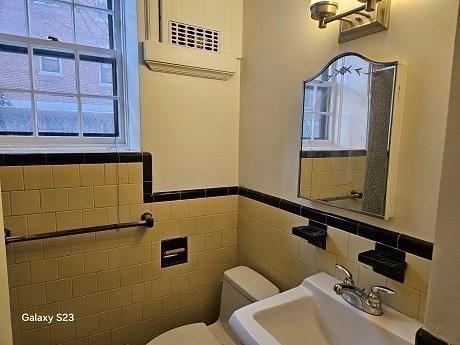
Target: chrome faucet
{"x":369,"y":302}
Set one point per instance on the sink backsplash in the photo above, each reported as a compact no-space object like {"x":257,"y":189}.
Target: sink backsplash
{"x":265,"y":243}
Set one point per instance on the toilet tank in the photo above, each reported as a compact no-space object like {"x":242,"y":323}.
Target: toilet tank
{"x":243,"y":286}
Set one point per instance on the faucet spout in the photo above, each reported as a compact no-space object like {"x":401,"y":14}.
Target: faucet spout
{"x":359,"y":298}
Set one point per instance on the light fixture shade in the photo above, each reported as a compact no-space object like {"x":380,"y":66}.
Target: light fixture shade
{"x":323,"y":9}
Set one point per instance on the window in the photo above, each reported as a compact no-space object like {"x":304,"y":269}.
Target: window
{"x":319,"y":111}
{"x":106,"y":74}
{"x":62,"y":73}
{"x":50,"y":65}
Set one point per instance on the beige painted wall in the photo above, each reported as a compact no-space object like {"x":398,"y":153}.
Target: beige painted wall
{"x":282,"y":46}
{"x":190,"y":125}
{"x":443,"y":308}
{"x":6,"y":334}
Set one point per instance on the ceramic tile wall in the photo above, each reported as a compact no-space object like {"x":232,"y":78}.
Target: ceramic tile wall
{"x":111,"y":281}
{"x":265,"y":243}
{"x":331,"y":177}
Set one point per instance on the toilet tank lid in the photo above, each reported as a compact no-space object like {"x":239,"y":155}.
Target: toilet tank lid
{"x":250,"y":283}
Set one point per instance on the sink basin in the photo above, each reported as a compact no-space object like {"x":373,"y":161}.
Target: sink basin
{"x":313,"y":314}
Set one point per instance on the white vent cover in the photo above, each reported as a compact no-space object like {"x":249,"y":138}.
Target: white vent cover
{"x":192,"y":36}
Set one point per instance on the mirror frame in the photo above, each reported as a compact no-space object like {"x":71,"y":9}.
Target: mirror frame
{"x":399,"y":88}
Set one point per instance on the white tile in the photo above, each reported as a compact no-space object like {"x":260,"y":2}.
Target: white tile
{"x":338,"y":242}
{"x":325,"y":261}
{"x":358,"y":245}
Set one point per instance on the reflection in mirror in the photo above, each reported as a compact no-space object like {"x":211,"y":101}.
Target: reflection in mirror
{"x":346,"y":127}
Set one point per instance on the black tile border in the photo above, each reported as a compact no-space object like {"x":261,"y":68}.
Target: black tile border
{"x":423,"y":337}
{"x":27,"y":159}
{"x":332,"y":153}
{"x":390,"y":238}
{"x":194,"y":193}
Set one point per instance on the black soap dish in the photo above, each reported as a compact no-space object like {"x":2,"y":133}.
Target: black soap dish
{"x":387,"y":261}
{"x":315,"y":233}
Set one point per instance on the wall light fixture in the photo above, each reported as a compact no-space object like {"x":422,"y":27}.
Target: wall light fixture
{"x":372,"y":16}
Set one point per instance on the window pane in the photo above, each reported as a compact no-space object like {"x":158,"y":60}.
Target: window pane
{"x":308,"y":105}
{"x":106,"y":72}
{"x":50,"y":64}
{"x":57,"y":115}
{"x":49,"y":18}
{"x":17,"y":77}
{"x":15,"y":113}
{"x":94,"y":28}
{"x":13,"y":17}
{"x":307,"y":126}
{"x":45,"y":80}
{"x":96,"y":76}
{"x":321,"y":129}
{"x":99,"y":117}
{"x":323,"y":99}
{"x":106,"y":4}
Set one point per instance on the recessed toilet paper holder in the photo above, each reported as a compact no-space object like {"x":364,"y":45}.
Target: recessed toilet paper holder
{"x":174,"y":251}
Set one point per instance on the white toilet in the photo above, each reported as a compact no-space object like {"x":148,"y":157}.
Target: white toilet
{"x":241,"y":286}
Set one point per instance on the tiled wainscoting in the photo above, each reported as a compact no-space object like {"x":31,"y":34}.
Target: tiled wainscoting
{"x":266,"y":244}
{"x":112,"y":281}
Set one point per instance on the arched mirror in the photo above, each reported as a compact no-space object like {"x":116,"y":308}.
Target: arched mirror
{"x":350,"y":133}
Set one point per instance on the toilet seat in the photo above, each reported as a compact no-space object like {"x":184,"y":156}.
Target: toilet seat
{"x":194,"y":334}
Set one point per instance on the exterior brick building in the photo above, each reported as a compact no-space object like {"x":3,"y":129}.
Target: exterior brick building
{"x":55,"y":83}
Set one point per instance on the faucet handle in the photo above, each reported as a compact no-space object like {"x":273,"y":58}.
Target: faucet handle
{"x":377,"y":289}
{"x":348,"y":276}
{"x":375,"y":298}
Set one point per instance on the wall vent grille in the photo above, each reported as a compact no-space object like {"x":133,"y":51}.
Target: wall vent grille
{"x":192,"y":36}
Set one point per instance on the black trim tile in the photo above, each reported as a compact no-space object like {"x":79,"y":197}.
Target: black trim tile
{"x":332,"y":153}
{"x":147,"y":187}
{"x":24,"y":159}
{"x":148,"y":198}
{"x":233,"y":190}
{"x":312,"y":214}
{"x":344,"y":224}
{"x":271,"y":200}
{"x":423,"y":337}
{"x":71,"y":158}
{"x":192,"y":194}
{"x":65,"y":158}
{"x":166,"y":196}
{"x":147,"y":166}
{"x":130,"y":157}
{"x":97,"y":158}
{"x":415,"y":246}
{"x":243,"y":192}
{"x":290,"y":206}
{"x":254,"y":195}
{"x":378,"y":234}
{"x":218,"y":191}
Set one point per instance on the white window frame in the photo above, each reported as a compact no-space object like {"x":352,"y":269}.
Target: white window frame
{"x":126,"y":56}
{"x":308,"y":143}
{"x":43,"y":72}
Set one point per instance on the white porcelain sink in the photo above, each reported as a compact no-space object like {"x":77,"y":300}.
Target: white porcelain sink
{"x":313,"y":314}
